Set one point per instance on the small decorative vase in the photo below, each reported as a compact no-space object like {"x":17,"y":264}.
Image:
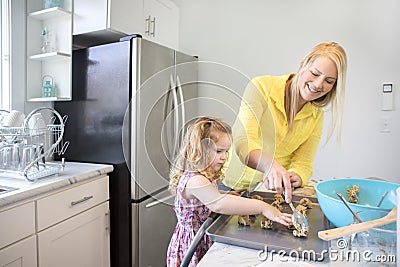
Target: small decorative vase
{"x":48,"y":87}
{"x":53,"y":3}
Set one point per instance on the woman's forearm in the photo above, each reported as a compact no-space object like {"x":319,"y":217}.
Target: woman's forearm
{"x":259,"y":161}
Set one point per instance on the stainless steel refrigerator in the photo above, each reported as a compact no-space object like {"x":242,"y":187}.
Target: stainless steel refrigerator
{"x":130,"y":102}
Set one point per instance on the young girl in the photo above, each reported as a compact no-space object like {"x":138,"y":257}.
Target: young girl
{"x":194,"y":178}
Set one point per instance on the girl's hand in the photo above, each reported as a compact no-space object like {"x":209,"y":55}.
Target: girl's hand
{"x":274,"y":214}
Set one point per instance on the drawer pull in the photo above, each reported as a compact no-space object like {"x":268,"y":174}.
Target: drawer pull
{"x":73,"y":203}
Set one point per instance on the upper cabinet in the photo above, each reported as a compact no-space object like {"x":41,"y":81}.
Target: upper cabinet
{"x":49,"y":45}
{"x":161,"y":22}
{"x":100,"y":21}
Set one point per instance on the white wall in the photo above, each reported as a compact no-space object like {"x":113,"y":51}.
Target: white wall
{"x":269,"y":37}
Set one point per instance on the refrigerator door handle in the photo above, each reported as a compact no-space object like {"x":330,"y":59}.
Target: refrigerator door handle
{"x":166,"y":110}
{"x":176,"y":115}
{"x":159,"y":201}
{"x":182,"y":103}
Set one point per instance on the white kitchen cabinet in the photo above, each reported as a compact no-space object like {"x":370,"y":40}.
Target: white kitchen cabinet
{"x":73,"y":226}
{"x":17,"y":238}
{"x":57,"y":207}
{"x":99,"y":21}
{"x":82,"y":240}
{"x":107,"y":17}
{"x":53,"y":63}
{"x":20,"y":254}
{"x":161,"y":22}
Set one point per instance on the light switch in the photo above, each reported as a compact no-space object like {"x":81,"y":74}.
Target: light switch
{"x":387,"y":96}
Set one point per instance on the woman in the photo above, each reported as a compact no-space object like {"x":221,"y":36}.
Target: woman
{"x":280,"y":121}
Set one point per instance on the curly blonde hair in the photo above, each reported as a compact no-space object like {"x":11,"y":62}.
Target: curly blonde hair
{"x":196,"y":152}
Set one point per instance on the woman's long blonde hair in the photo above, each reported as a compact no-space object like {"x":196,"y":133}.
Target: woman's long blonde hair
{"x":335,"y":97}
{"x":196,"y":152}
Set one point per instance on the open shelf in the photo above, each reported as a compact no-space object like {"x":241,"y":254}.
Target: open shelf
{"x":57,"y":64}
{"x":48,"y":99}
{"x":49,"y":56}
{"x":50,"y":13}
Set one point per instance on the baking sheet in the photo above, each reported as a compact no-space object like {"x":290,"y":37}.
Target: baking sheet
{"x":226,"y":229}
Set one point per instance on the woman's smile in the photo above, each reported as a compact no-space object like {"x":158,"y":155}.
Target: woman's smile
{"x":313,"y":90}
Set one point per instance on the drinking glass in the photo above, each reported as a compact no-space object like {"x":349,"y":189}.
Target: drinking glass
{"x":28,"y":156}
{"x":7,"y":157}
{"x":376,"y":245}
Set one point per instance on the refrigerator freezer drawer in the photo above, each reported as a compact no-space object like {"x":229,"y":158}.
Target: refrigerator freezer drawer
{"x":153,"y":222}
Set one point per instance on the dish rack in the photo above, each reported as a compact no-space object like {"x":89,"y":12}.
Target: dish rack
{"x":24,"y":150}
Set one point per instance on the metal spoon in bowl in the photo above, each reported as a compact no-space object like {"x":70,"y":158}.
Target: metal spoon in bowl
{"x":382,"y":198}
{"x":348,"y":206}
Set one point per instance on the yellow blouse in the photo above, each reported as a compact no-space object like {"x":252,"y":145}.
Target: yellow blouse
{"x":259,"y":127}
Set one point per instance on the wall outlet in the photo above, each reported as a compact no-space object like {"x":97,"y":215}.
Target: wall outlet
{"x":385,"y":124}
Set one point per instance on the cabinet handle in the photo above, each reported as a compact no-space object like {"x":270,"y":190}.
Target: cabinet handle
{"x":73,"y":203}
{"x":108,"y":221}
{"x":153,"y":22}
{"x":147,"y":30}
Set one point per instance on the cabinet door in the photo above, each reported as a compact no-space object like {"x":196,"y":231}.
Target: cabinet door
{"x":82,"y":240}
{"x":123,"y":16}
{"x":126,"y":16}
{"x":89,"y":15}
{"x":21,"y":254}
{"x":17,"y":223}
{"x":161,"y":22}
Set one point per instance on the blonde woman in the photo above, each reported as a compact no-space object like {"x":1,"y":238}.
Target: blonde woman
{"x":280,"y":121}
{"x":193,"y":179}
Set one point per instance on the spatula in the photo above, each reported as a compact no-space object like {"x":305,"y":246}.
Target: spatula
{"x":356,"y":228}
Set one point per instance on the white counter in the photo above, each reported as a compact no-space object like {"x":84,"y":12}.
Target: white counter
{"x":73,"y":173}
{"x":234,"y":256}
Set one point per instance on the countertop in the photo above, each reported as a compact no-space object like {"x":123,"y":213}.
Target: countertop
{"x":73,"y":173}
{"x":234,"y":256}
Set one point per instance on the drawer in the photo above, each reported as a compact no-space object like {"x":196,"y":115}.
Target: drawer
{"x":65,"y":204}
{"x":17,"y":223}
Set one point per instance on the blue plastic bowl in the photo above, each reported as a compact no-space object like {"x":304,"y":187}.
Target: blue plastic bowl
{"x":369,"y":195}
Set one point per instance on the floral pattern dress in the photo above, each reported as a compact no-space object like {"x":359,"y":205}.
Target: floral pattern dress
{"x":191,"y":214}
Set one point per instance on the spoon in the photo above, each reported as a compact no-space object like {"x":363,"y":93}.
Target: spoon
{"x":299,"y":220}
{"x":348,"y":206}
{"x":356,"y":228}
{"x":382,"y":198}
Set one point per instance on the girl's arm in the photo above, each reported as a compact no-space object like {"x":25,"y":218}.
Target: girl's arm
{"x":200,"y":187}
{"x":233,"y":192}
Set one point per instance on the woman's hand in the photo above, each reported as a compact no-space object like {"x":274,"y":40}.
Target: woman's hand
{"x":295,"y":180}
{"x":279,"y":179}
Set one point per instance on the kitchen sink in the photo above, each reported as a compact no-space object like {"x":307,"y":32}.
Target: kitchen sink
{"x":5,"y":189}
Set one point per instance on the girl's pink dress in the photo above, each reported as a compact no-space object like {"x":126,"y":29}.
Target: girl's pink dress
{"x":191,"y":214}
